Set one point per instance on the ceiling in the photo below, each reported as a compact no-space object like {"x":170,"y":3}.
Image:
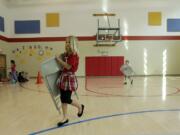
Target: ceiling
{"x":14,"y":3}
{"x":29,"y":2}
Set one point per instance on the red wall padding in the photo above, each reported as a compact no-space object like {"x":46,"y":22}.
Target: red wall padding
{"x":104,"y":65}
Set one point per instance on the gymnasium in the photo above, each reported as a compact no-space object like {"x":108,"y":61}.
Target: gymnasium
{"x":109,"y":33}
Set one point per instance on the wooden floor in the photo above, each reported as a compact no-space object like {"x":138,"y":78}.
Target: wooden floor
{"x":151,"y":106}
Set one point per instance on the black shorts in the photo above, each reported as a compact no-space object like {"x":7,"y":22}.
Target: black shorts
{"x":66,"y":96}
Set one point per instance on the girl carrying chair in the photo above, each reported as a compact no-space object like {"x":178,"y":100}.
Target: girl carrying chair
{"x":67,"y":82}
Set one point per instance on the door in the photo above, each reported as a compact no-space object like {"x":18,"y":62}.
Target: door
{"x":2,"y":66}
{"x":104,"y":65}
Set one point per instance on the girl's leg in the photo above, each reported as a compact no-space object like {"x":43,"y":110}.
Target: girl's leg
{"x":74,"y":103}
{"x":64,"y":102}
{"x":64,"y":109}
{"x":77,"y":105}
{"x":65,"y":119}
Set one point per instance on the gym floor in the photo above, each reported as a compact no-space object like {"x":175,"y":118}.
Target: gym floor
{"x":150,"y":106}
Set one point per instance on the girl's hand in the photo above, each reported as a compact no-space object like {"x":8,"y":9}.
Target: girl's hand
{"x":61,"y":62}
{"x":58,"y":59}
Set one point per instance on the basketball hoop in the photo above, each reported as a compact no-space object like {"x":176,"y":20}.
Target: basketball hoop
{"x":109,"y":34}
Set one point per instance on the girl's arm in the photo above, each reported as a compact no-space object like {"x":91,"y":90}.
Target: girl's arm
{"x":61,"y":62}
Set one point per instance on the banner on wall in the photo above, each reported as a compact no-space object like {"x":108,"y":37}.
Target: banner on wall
{"x":37,"y":52}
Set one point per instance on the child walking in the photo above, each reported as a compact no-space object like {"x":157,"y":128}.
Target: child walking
{"x":13,"y":71}
{"x":67,"y":80}
{"x":127,"y":70}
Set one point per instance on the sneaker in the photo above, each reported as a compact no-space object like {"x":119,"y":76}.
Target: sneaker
{"x":80,"y":114}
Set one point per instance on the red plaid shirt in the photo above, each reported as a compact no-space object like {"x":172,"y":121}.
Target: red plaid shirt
{"x":67,"y":79}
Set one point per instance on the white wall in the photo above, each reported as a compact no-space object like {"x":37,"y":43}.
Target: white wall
{"x":4,"y":12}
{"x":77,"y":19}
{"x":4,"y":46}
{"x":133,"y":50}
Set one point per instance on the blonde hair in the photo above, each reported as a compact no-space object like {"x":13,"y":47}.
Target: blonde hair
{"x":73,"y":43}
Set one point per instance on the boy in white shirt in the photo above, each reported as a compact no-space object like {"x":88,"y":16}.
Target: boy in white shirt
{"x":127,"y":70}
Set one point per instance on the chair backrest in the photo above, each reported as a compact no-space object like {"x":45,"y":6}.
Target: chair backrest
{"x":50,"y":72}
{"x":50,"y":66}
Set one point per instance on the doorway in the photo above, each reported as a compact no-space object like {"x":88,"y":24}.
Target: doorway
{"x":2,"y":66}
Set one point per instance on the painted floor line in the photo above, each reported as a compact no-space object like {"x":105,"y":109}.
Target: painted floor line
{"x":105,"y":117}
